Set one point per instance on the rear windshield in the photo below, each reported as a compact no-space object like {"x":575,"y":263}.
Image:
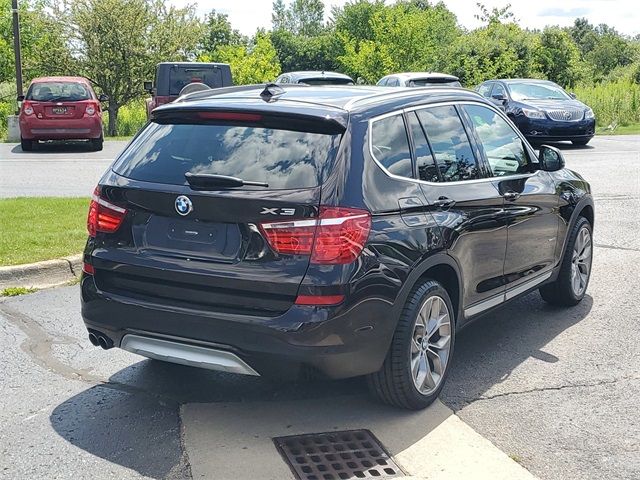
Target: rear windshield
{"x":428,"y":82}
{"x":58,"y":92}
{"x":327,"y":81}
{"x":180,"y":77}
{"x":285,"y":159}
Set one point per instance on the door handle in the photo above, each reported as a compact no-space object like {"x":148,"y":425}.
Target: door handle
{"x":511,"y":196}
{"x":444,"y":202}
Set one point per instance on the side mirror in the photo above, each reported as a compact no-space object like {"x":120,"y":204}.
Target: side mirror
{"x":20,"y":98}
{"x":499,"y":97}
{"x":573,"y":95}
{"x":551,"y":159}
{"x":148,"y":86}
{"x":103,"y":98}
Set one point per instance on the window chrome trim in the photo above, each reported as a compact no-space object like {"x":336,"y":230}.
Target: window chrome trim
{"x":508,"y":295}
{"x":441,"y":104}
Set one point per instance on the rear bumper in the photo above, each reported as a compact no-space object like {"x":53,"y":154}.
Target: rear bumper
{"x":88,"y":127}
{"x":339,"y":342}
{"x":551,"y":130}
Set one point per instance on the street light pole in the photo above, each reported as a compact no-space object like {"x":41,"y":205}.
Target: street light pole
{"x":16,"y":47}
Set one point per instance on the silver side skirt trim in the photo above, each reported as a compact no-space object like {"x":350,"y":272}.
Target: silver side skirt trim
{"x":186,"y":354}
{"x":503,"y":297}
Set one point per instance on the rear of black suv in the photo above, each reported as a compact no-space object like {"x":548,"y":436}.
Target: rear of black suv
{"x":210,"y":245}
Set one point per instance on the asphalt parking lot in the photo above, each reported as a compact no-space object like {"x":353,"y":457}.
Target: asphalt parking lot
{"x":556,"y":390}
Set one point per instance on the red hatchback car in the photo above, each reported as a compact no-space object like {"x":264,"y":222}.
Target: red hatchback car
{"x":61,"y":108}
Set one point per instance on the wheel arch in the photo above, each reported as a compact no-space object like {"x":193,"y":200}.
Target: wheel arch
{"x":440,"y":267}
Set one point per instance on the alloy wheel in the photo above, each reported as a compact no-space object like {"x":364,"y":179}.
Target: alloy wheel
{"x":430,"y":345}
{"x":581,"y":261}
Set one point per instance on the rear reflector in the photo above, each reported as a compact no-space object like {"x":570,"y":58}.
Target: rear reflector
{"x":319,"y":299}
{"x":88,"y":269}
{"x":336,"y":237}
{"x":103,"y":216}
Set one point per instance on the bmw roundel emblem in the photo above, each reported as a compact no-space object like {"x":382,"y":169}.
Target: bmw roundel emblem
{"x":183,"y":205}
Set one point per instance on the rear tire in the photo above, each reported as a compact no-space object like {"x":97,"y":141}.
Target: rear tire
{"x":417,"y":363}
{"x":26,"y":145}
{"x":575,"y":270}
{"x":581,"y":142}
{"x":96,"y":143}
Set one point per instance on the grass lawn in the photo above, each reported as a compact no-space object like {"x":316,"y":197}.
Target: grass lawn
{"x":34,"y":229}
{"x":633,"y":129}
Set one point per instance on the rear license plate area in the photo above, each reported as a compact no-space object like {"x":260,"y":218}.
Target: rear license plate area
{"x":59,"y":110}
{"x":189,"y":238}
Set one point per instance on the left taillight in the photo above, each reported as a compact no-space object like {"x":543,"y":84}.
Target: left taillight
{"x":103,"y":215}
{"x":27,"y":108}
{"x":336,"y":237}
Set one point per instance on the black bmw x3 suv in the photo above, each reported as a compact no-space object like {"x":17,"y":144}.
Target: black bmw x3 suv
{"x":341,"y":230}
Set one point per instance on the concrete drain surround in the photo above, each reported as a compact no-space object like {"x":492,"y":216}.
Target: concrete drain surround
{"x":341,"y":455}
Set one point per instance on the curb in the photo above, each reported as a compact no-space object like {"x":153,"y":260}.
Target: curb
{"x":50,"y":273}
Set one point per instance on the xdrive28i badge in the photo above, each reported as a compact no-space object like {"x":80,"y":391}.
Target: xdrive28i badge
{"x":183,"y":205}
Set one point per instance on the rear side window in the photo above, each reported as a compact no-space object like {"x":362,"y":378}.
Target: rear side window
{"x":180,"y":77}
{"x":58,"y":92}
{"x":449,"y":142}
{"x":427,"y":169}
{"x":390,"y":145}
{"x":285,"y":159}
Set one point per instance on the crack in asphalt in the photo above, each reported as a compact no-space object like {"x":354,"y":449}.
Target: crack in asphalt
{"x":613,"y":247}
{"x":554,"y":388}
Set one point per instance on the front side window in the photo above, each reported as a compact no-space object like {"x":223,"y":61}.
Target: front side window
{"x":502,"y":145}
{"x":485,"y":89}
{"x":390,"y":145}
{"x":498,"y":89}
{"x":449,"y":143}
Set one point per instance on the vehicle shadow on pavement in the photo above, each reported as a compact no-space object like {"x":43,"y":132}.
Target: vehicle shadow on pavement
{"x":488,"y":351}
{"x":134,"y":421}
{"x":566,"y":146}
{"x":56,"y":147}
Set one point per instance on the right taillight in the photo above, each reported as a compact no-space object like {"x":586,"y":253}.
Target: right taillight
{"x":336,"y":237}
{"x":103,"y":215}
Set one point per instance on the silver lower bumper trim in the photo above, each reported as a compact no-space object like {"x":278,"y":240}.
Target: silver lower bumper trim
{"x":185,"y":354}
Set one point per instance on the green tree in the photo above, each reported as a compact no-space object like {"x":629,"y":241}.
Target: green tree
{"x":499,"y":50}
{"x":404,"y":37}
{"x":559,"y":57}
{"x":254,"y":63}
{"x":306,"y":53}
{"x":353,"y":20}
{"x":301,"y":17}
{"x":39,"y":33}
{"x":119,"y":42}
{"x":219,"y":32}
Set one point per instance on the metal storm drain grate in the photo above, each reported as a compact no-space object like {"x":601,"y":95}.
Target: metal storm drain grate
{"x":345,"y":455}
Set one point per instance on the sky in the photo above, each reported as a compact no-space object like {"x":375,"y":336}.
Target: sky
{"x":624,"y":15}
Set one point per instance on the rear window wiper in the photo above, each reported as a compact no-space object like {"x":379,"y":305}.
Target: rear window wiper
{"x":205,"y":180}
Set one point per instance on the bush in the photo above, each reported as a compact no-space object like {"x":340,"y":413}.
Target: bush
{"x":8,"y":106}
{"x":131,"y":118}
{"x":614,"y":103}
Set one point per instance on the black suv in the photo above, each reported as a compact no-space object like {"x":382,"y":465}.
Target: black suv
{"x":341,"y":230}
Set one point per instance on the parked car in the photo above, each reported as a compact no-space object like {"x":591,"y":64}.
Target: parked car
{"x":60,"y":108}
{"x":315,"y":78}
{"x":542,"y":110}
{"x":350,"y":231}
{"x":173,"y":77}
{"x":419,"y":79}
